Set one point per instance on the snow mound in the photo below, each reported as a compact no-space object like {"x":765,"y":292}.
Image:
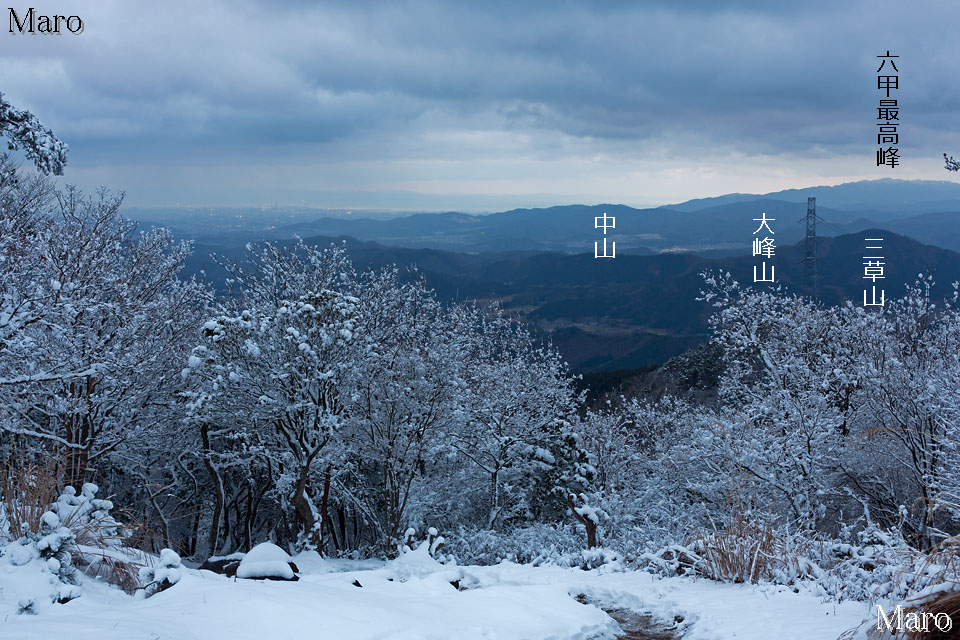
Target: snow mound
{"x":266,"y":560}
{"x":420,"y":564}
{"x":163,"y":576}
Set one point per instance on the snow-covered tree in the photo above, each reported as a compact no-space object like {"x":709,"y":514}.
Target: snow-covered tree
{"x":24,"y":130}
{"x":562,"y":479}
{"x":519,"y":390}
{"x":92,"y":329}
{"x":909,"y":412}
{"x":778,"y":426}
{"x":646,"y":483}
{"x":406,"y":394}
{"x":272,"y":366}
{"x":825,"y":410}
{"x":951,"y":164}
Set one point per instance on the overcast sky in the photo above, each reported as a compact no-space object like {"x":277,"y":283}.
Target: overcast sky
{"x":484,"y":105}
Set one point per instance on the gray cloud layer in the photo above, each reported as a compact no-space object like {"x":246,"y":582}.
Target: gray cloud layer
{"x":284,"y":101}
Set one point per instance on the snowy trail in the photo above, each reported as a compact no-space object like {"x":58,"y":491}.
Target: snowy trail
{"x":639,"y":627}
{"x":504,"y":602}
{"x":715,"y":611}
{"x":320,"y":606}
{"x":634,"y":625}
{"x":710,"y":610}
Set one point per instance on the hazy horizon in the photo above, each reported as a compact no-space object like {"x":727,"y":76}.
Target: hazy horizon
{"x":388,"y":211}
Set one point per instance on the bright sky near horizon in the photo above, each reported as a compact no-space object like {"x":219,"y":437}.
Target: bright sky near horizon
{"x":483,"y":106}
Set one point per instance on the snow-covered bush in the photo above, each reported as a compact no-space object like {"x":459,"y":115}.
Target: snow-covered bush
{"x":163,"y":576}
{"x":40,"y":545}
{"x":596,"y":557}
{"x":27,"y":490}
{"x":927,"y":586}
{"x":54,"y":543}
{"x":100,"y":550}
{"x":88,"y":516}
{"x":747,"y":546}
{"x":431,"y":543}
{"x":750,"y":548}
{"x":536,"y":544}
{"x":869,"y":563}
{"x":423,"y":559}
{"x":37,"y":569}
{"x":92,"y":540}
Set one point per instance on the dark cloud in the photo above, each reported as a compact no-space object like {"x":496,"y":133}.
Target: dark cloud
{"x":378,"y":85}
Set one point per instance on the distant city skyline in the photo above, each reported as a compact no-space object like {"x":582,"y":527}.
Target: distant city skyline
{"x":483,"y":107}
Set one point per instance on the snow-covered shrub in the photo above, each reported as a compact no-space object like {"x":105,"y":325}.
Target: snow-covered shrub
{"x":877,"y":564}
{"x":420,"y":561}
{"x":96,"y":546}
{"x":27,"y":490}
{"x":535,"y":544}
{"x":650,"y":481}
{"x":870,"y":564}
{"x":750,"y":548}
{"x":433,"y":541}
{"x":54,"y":543}
{"x":597,"y":557}
{"x":934,"y":590}
{"x":648,"y":518}
{"x":163,"y":576}
{"x":37,"y":569}
{"x":100,"y":551}
{"x":88,"y":515}
{"x":747,"y":546}
{"x":926,"y":586}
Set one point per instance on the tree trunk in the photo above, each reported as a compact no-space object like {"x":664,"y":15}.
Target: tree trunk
{"x":494,"y":498}
{"x":342,"y":519}
{"x":219,"y":500}
{"x":304,"y":510}
{"x":323,"y":506}
{"x":587,"y":523}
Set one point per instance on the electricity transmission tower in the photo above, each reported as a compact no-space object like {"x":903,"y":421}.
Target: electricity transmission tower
{"x":810,"y":252}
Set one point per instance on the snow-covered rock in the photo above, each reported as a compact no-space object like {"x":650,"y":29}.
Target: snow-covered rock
{"x":267,"y":560}
{"x":166,"y":574}
{"x":224,"y":565}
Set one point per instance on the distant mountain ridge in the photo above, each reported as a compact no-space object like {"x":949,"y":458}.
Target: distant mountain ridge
{"x":926,"y":210}
{"x":632,"y":311}
{"x":726,"y":227}
{"x":886,"y":195}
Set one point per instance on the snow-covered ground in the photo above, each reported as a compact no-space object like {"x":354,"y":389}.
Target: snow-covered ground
{"x":412,"y":599}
